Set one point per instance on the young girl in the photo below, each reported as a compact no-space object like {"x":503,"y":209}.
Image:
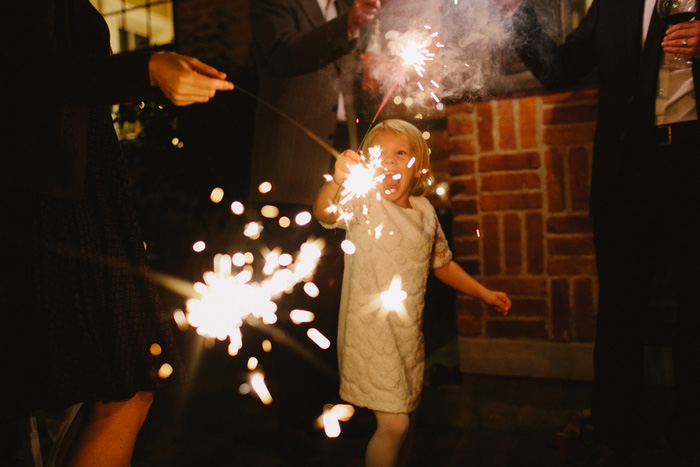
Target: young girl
{"x":397,"y":238}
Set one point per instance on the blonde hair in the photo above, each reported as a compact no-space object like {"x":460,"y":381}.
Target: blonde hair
{"x":423,"y":183}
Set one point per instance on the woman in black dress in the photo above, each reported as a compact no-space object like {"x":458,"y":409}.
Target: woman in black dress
{"x":78,"y":312}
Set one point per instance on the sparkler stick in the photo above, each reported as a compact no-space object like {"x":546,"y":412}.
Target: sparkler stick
{"x":308,"y":132}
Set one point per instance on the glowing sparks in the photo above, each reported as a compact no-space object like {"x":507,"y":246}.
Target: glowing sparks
{"x":216,"y":195}
{"x":199,"y":246}
{"x":265,"y":187}
{"x":392,"y":299}
{"x":303,"y":218}
{"x":227,"y":297}
{"x":331,"y":416}
{"x":348,"y":247}
{"x":237,"y":208}
{"x":257,"y":381}
{"x":155,"y":349}
{"x":301,"y":316}
{"x":318,"y":338}
{"x":363,"y":177}
{"x":269,"y":211}
{"x":165,"y":371}
{"x":311,"y":289}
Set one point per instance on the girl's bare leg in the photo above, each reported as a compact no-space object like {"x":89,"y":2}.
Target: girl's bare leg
{"x":106,"y":433}
{"x":384,"y":446}
{"x":405,"y":453}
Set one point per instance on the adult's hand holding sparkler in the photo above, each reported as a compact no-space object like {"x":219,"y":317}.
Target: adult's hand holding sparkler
{"x":360,"y":15}
{"x":185,"y":80}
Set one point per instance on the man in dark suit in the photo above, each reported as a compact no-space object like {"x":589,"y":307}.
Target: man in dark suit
{"x":643,"y":198}
{"x":304,"y":52}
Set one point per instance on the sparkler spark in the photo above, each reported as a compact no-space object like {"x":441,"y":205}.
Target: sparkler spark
{"x":227,"y":298}
{"x":392,"y":299}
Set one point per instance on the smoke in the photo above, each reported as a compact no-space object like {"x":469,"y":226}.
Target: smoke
{"x":469,"y":42}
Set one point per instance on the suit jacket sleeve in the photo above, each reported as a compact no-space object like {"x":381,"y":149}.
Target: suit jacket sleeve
{"x":36,"y":47}
{"x":555,"y":65}
{"x":290,"y":49}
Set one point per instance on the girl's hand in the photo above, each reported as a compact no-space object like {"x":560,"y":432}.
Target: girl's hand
{"x":342,"y":165}
{"x":499,"y":300}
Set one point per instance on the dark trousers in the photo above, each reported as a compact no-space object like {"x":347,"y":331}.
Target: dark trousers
{"x":654,"y":211}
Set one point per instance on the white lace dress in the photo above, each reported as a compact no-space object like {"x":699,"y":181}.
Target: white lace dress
{"x":381,"y":353}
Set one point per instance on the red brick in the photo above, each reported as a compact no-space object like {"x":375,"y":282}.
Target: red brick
{"x":464,"y":206}
{"x":519,"y":161}
{"x":518,"y":286}
{"x":468,"y":326}
{"x":570,"y":246}
{"x":561,"y":309}
{"x":506,"y":328}
{"x":461,"y":108}
{"x":527,"y":308}
{"x":584,"y":304}
{"x":439,"y":143}
{"x":465,"y":247}
{"x":571,"y":265}
{"x":465,"y":227}
{"x":462,"y":165}
{"x":502,"y":202}
{"x":469,"y":313}
{"x":463,"y":185}
{"x":569,"y":135}
{"x":506,"y":125}
{"x":510,"y":181}
{"x":570,"y":114}
{"x":512,"y":241}
{"x":528,"y":122}
{"x":578,"y":95}
{"x":462,"y":125}
{"x":579,"y":178}
{"x":462,"y":145}
{"x":534,"y":231}
{"x":570,"y":224}
{"x":554,"y":174}
{"x":484,"y":121}
{"x":490,"y":237}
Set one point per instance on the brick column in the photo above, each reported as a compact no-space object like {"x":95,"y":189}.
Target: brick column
{"x":520,"y":178}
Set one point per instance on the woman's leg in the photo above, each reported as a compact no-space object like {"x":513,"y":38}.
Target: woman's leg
{"x":385,"y":445}
{"x":107,"y":433}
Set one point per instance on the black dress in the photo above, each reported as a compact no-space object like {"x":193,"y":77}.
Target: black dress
{"x":78,"y":312}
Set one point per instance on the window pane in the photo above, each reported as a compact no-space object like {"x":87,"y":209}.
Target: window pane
{"x":162,"y":30}
{"x":114,"y":23}
{"x":136,"y":28}
{"x":136,"y":3}
{"x":107,"y":6}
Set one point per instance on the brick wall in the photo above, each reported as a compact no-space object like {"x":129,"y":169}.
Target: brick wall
{"x":519,"y":180}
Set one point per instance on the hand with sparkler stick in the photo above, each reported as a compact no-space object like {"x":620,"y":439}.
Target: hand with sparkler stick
{"x":394,"y":239}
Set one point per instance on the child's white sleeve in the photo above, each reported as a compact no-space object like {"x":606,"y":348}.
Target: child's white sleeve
{"x":441,"y":254}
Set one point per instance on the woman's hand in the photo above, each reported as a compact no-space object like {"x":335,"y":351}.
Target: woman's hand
{"x":683,"y":39}
{"x":185,"y":80}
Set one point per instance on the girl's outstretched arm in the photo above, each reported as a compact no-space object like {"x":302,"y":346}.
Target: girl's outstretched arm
{"x":453,"y":275}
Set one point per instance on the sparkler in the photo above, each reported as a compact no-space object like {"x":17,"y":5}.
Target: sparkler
{"x":227,"y":298}
{"x":413,"y":49}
